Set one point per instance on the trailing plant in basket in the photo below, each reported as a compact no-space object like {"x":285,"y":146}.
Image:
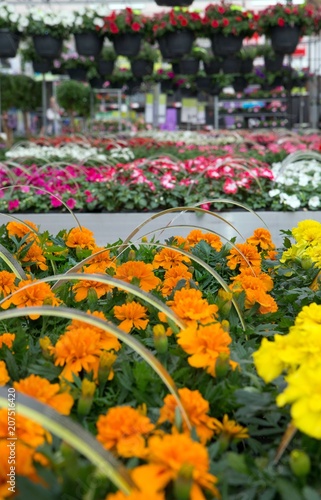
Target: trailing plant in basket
{"x":88,"y":19}
{"x":229,"y":20}
{"x":175,"y":20}
{"x":48,"y":23}
{"x":11,"y":20}
{"x":108,"y":54}
{"x":125,"y":21}
{"x":72,"y":60}
{"x":148,"y":53}
{"x":305,"y":17}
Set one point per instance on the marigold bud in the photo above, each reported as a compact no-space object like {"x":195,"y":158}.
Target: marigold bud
{"x":300,"y":463}
{"x":183,"y":482}
{"x":222,"y":365}
{"x":131,"y":255}
{"x":87,"y":397}
{"x":306,"y":263}
{"x":46,"y":345}
{"x":105,"y":370}
{"x":160,"y":339}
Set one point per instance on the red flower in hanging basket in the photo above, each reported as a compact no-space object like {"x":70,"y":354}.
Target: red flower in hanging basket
{"x":125,"y":21}
{"x":229,"y":19}
{"x":305,"y":17}
{"x":281,"y":22}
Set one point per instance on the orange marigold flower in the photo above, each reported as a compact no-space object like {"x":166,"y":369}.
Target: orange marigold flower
{"x":20,"y":230}
{"x":261,"y":238}
{"x":124,"y":430}
{"x":205,"y":344}
{"x":173,"y":276}
{"x":108,"y":341}
{"x":7,"y":284}
{"x":47,"y":393}
{"x":180,"y":241}
{"x":190,"y":306}
{"x":131,"y":315}
{"x":213,"y":240}
{"x":168,"y":258}
{"x":24,"y":465}
{"x":36,"y":295}
{"x":230,"y":429}
{"x":271,"y":254}
{"x":7,"y":339}
{"x":136,"y":495}
{"x":236,"y":257}
{"x":81,"y":237}
{"x":266,"y":280}
{"x":196,"y":408}
{"x":82,"y":288}
{"x":102,"y":261}
{"x":256,"y":293}
{"x":77,"y":350}
{"x":34,"y":256}
{"x":4,"y":375}
{"x":138,"y":273}
{"x":169,"y":456}
{"x":27,"y":431}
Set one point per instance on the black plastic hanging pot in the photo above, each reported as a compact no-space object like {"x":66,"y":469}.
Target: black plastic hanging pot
{"x":247,"y":66}
{"x":174,"y":3}
{"x":166,"y":86}
{"x":232,"y":65}
{"x":216,"y":89}
{"x":105,"y":67}
{"x":48,"y":46}
{"x":228,"y":45}
{"x":275,"y":63}
{"x":239,"y":83}
{"x":96,"y":82}
{"x":88,"y":43}
{"x":284,"y":39}
{"x":176,"y":68}
{"x":141,"y":68}
{"x":179,"y":42}
{"x":132,"y":86}
{"x":189,"y":66}
{"x":164,"y":48}
{"x":212,"y":67}
{"x":203,"y":83}
{"x":127,"y":44}
{"x":9,"y":43}
{"x":42,"y":66}
{"x":79,"y":74}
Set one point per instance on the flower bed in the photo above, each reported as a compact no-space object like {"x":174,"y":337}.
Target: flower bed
{"x":195,"y":363}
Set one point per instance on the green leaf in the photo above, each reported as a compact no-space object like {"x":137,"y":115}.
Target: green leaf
{"x":287,"y":490}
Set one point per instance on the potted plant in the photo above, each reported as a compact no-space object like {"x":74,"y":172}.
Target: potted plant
{"x":48,"y":30}
{"x":175,"y":32}
{"x":74,"y":98}
{"x":165,"y":78}
{"x":212,"y":64}
{"x":106,"y":61}
{"x":120,"y":78}
{"x":227,"y":25}
{"x":247,"y":55}
{"x":143,"y":64}
{"x":185,"y":87}
{"x":76,"y":66}
{"x":285,"y":24}
{"x":87,"y":29}
{"x":273,"y":61}
{"x":219,"y":82}
{"x":190,"y":63}
{"x":11,"y":26}
{"x":29,"y":54}
{"x":126,"y":30}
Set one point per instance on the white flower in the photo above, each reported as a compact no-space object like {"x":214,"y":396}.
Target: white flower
{"x":274,"y":192}
{"x":98,"y":22}
{"x":314,"y":202}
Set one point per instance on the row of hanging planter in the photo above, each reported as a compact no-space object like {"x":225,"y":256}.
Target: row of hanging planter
{"x":225,"y":25}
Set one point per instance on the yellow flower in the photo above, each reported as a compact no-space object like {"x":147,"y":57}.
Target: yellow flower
{"x":138,"y":273}
{"x":168,"y":456}
{"x":190,"y":306}
{"x":205,"y":344}
{"x":45,"y":392}
{"x":4,"y":375}
{"x":7,"y":285}
{"x":131,"y":315}
{"x":295,"y":252}
{"x":81,"y":237}
{"x":304,"y":393}
{"x":307,"y":231}
{"x":36,"y":295}
{"x":196,"y":408}
{"x":7,"y":339}
{"x":124,"y":430}
{"x":230,"y":429}
{"x":168,"y":258}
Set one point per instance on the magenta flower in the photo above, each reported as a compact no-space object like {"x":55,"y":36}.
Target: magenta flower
{"x":13,"y":204}
{"x":71,"y":203}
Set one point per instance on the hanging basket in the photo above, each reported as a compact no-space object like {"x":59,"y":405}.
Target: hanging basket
{"x":176,"y":68}
{"x":179,"y":42}
{"x":284,"y":39}
{"x":189,"y":66}
{"x":141,"y":68}
{"x":79,"y":74}
{"x":164,"y":47}
{"x":96,"y":82}
{"x":105,"y":67}
{"x":212,"y":67}
{"x":232,"y":65}
{"x":174,"y":3}
{"x":42,"y":66}
{"x":88,"y":43}
{"x":203,"y":83}
{"x":132,"y":87}
{"x":216,"y":89}
{"x":247,"y":66}
{"x":48,"y":46}
{"x":166,"y":86}
{"x":9,"y":43}
{"x":239,"y":83}
{"x":273,"y":64}
{"x":127,"y":44}
{"x":223,"y":46}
